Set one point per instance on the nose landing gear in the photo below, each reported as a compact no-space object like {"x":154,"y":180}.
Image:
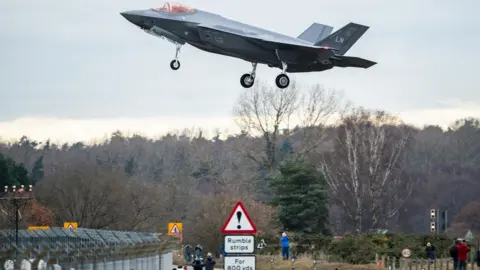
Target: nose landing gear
{"x":175,"y":63}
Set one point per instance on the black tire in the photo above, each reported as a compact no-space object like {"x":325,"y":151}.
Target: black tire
{"x":282,"y":81}
{"x":175,"y":64}
{"x":244,"y":80}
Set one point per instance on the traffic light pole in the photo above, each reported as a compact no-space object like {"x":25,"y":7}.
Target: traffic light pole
{"x":16,"y":204}
{"x":433,"y":218}
{"x":438,"y":223}
{"x":14,"y":200}
{"x":445,"y":220}
{"x":439,"y":229}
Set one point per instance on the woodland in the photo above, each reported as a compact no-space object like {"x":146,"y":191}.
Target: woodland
{"x":306,"y":161}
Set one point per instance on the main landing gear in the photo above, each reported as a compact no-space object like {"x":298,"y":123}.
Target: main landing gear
{"x":248,"y":79}
{"x":175,"y":64}
{"x":282,"y":81}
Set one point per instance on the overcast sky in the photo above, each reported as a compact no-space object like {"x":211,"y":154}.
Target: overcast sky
{"x":76,"y":70}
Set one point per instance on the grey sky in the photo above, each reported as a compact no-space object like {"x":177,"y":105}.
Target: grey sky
{"x":81,"y":59}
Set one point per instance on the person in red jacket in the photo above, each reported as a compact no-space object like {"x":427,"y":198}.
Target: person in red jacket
{"x":463,"y":250}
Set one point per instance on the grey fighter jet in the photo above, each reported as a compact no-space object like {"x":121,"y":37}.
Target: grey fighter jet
{"x":316,"y":49}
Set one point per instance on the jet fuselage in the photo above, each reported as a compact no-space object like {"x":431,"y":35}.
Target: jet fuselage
{"x":186,"y":28}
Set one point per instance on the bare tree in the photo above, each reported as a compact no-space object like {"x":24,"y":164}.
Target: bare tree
{"x":364,"y":170}
{"x":210,"y":213}
{"x":85,"y":194}
{"x":268,"y":112}
{"x":143,"y":205}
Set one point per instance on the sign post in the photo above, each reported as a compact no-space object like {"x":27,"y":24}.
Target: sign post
{"x":239,"y":241}
{"x":405,"y":261}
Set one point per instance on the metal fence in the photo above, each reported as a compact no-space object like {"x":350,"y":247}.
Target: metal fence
{"x":59,"y":248}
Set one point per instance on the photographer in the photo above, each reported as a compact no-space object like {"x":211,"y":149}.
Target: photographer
{"x":463,"y":250}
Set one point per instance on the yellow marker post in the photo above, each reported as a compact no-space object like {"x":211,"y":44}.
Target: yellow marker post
{"x":70,"y":225}
{"x":31,"y":228}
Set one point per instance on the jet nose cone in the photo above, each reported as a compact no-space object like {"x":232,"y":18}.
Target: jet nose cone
{"x":128,"y":15}
{"x":137,"y":17}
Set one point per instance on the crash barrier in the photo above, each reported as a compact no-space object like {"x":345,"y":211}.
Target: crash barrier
{"x":59,"y":248}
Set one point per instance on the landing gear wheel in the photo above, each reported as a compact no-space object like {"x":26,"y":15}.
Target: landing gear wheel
{"x":175,"y":64}
{"x":247,"y":80}
{"x":282,"y":81}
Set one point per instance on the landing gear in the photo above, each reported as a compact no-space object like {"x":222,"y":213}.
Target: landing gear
{"x":248,"y":79}
{"x":282,"y":81}
{"x":175,"y":64}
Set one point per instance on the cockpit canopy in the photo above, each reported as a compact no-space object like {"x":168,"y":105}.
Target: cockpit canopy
{"x":175,"y":8}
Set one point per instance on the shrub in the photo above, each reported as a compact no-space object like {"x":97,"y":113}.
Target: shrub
{"x":361,"y":249}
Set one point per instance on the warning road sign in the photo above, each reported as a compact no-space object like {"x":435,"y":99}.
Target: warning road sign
{"x":239,"y":222}
{"x":70,"y":225}
{"x":175,"y":228}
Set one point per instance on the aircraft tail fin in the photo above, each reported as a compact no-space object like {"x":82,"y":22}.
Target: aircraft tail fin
{"x":316,"y":32}
{"x":344,"y":38}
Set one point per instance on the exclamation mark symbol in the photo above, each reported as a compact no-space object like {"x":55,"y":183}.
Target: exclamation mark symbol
{"x":239,"y":217}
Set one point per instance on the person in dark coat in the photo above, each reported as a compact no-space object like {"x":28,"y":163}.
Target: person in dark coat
{"x":478,"y":257}
{"x":430,"y":249}
{"x":210,"y":263}
{"x":198,"y":264}
{"x":188,"y":253}
{"x":454,"y":254}
{"x":198,"y":251}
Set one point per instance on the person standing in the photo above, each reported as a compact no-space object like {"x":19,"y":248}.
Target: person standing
{"x":285,"y":241}
{"x":454,"y":254}
{"x":198,"y":264}
{"x":478,"y":257}
{"x":463,"y":250}
{"x":198,"y":251}
{"x":430,"y":249}
{"x":210,"y":262}
{"x":188,"y":253}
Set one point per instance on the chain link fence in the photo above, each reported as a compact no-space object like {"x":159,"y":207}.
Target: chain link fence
{"x":59,"y":248}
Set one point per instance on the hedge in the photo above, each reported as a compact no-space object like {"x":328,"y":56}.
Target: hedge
{"x":360,"y":249}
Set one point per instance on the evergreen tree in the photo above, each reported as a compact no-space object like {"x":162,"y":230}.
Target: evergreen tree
{"x":286,"y":150}
{"x":130,"y":166}
{"x":37,"y":171}
{"x":300,"y":193}
{"x":12,"y":173}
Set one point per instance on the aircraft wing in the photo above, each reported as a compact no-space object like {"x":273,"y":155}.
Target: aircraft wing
{"x":278,"y":42}
{"x":349,"y":61}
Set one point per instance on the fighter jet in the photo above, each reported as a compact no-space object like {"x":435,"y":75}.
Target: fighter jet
{"x":316,"y":49}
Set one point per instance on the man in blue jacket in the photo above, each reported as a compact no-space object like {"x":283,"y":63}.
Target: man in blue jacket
{"x":285,"y":241}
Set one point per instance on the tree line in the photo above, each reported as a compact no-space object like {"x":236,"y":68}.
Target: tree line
{"x":305,"y":161}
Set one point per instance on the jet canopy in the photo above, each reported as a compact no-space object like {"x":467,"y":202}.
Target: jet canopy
{"x":175,"y":8}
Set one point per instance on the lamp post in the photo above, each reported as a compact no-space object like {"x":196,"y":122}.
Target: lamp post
{"x":13,"y":199}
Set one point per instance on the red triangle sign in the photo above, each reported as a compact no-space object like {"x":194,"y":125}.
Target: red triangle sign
{"x":239,"y":222}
